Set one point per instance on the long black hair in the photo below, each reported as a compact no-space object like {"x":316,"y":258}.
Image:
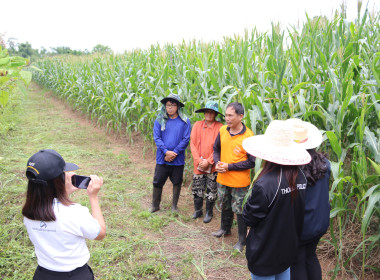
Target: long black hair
{"x":40,"y":196}
{"x":316,"y":169}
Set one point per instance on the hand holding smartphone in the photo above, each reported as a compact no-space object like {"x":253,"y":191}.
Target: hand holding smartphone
{"x":80,"y":182}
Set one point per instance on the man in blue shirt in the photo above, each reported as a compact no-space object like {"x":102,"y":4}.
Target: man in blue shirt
{"x":171,"y":132}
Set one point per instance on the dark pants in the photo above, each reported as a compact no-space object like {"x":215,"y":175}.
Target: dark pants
{"x":307,"y":266}
{"x":163,"y":172}
{"x":80,"y":273}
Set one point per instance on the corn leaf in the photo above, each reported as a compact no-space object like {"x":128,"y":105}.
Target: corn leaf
{"x":373,"y":195}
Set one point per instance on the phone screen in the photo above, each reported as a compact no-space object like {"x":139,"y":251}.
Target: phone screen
{"x":80,"y":182}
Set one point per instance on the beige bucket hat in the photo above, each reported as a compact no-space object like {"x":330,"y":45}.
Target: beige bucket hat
{"x":277,"y":145}
{"x":306,"y":134}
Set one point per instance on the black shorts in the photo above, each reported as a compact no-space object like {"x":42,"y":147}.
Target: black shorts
{"x":80,"y":273}
{"x":163,"y":172}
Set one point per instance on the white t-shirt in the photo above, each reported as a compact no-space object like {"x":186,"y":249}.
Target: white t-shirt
{"x":61,"y":245}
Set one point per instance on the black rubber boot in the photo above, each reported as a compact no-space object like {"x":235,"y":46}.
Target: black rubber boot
{"x":242,"y":232}
{"x":209,"y":208}
{"x":198,"y":205}
{"x":226,"y":223}
{"x":176,"y":193}
{"x":157,"y":192}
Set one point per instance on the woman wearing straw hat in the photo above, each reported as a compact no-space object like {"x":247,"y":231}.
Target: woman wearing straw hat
{"x":317,"y":205}
{"x":202,"y":139}
{"x":275,"y":208}
{"x":56,"y":226}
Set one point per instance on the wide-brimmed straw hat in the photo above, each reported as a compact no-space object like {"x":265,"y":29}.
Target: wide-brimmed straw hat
{"x":306,"y":134}
{"x":173,"y":97}
{"x":277,"y":145}
{"x":210,"y":105}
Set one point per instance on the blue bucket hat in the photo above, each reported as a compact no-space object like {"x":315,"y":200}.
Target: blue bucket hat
{"x":210,"y":105}
{"x":173,"y":97}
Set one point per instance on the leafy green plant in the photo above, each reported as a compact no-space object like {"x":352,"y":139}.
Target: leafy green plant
{"x":11,"y":74}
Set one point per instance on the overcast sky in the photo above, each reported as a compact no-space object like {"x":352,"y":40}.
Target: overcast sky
{"x":126,"y":25}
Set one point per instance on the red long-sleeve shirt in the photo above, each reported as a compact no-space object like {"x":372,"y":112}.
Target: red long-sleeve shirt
{"x":202,"y":139}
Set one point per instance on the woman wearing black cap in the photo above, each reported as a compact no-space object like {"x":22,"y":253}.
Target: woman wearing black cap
{"x":56,"y":226}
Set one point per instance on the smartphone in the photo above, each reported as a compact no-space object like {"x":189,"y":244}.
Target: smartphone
{"x":81,"y":182}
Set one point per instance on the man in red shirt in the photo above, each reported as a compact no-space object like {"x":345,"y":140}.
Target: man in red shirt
{"x":202,"y":139}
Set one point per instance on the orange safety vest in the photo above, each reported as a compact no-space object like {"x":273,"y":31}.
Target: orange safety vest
{"x":232,"y":152}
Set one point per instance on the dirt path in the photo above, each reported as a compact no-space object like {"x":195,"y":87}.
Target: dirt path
{"x":184,"y":245}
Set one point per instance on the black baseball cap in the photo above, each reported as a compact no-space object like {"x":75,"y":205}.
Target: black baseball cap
{"x":46,"y":165}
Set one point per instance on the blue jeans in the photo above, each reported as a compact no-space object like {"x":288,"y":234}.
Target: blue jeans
{"x":281,"y":276}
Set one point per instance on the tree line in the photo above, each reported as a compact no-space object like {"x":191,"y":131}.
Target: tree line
{"x":26,"y":50}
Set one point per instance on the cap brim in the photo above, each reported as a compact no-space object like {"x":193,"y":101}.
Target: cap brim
{"x":204,"y":110}
{"x":260,"y":147}
{"x":163,"y":101}
{"x":70,"y":167}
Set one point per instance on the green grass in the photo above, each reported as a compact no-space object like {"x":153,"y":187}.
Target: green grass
{"x":33,"y":125}
{"x":139,"y":244}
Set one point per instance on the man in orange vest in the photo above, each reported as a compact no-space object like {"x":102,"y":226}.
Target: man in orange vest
{"x":233,"y":165}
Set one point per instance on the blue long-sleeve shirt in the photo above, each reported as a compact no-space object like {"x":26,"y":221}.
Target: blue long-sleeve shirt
{"x":174,"y":138}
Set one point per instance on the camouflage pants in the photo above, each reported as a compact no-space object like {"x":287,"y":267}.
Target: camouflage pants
{"x":205,"y":182}
{"x":231,"y":198}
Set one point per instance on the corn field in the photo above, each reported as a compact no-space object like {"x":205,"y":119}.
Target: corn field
{"x":326,"y":72}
